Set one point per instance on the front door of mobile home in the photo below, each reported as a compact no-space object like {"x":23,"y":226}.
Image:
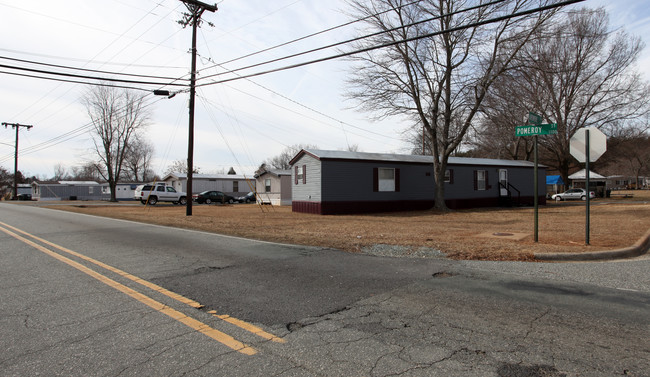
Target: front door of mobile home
{"x":503,"y":180}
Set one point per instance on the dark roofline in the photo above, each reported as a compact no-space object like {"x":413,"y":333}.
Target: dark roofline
{"x":410,"y":159}
{"x":276,"y":172}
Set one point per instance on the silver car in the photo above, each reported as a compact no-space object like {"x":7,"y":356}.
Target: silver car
{"x":575,"y":194}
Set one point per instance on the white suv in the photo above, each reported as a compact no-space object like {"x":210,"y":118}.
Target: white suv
{"x":159,"y":192}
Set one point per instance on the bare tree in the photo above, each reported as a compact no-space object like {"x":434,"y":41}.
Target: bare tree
{"x":353,"y":148}
{"x":577,"y":73}
{"x":60,"y":172}
{"x":282,"y":160}
{"x":504,"y":108}
{"x":6,"y":183}
{"x":86,"y":172}
{"x":117,"y":116}
{"x":439,"y":75}
{"x":180,"y":166}
{"x":628,"y":154}
{"x":137,"y":162}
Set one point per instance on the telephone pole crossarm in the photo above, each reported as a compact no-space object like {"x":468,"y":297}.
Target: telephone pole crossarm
{"x":17,"y":127}
{"x":208,"y":7}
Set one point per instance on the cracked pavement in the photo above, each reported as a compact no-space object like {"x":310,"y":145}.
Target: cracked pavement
{"x":338,"y":313}
{"x":434,"y":329}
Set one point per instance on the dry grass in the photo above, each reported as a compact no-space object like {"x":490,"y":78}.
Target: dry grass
{"x":466,"y":234}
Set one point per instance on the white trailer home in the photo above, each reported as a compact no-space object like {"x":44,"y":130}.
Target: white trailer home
{"x":231,"y":184}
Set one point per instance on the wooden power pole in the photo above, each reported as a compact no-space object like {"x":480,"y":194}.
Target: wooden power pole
{"x":17,"y":127}
{"x":196,"y":9}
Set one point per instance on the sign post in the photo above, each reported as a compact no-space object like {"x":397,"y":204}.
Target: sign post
{"x":588,"y":198}
{"x":536,"y":193}
{"x":535,"y":127}
{"x":587,"y":145}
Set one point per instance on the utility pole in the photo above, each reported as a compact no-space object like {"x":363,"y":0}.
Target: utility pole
{"x":196,"y":9}
{"x":17,"y":127}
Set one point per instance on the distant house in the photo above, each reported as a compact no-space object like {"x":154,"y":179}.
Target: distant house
{"x":274,"y":186}
{"x":597,"y":182}
{"x":24,"y":191}
{"x":337,"y":182}
{"x":231,"y":184}
{"x":66,"y":190}
{"x":621,"y":182}
{"x":24,"y":188}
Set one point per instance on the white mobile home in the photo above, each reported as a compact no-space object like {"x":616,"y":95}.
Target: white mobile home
{"x":231,"y":184}
{"x":274,"y":186}
{"x":123,"y":191}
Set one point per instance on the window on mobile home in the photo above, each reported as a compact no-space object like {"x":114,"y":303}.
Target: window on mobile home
{"x":386,"y":179}
{"x":480,"y":179}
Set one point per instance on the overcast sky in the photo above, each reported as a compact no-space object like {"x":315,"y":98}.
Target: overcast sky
{"x":238,"y":124}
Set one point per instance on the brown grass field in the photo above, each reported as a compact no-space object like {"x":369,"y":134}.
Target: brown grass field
{"x":465,"y":234}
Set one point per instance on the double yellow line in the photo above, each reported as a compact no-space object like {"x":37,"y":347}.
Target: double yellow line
{"x":201,"y":327}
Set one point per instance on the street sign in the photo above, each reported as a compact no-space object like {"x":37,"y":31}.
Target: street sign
{"x":597,"y":144}
{"x":535,"y":127}
{"x":541,"y":129}
{"x":534,"y":119}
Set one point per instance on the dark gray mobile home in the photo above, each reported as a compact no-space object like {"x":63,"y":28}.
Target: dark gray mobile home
{"x":338,"y":182}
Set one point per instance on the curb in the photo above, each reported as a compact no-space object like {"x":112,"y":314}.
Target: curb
{"x":642,"y":246}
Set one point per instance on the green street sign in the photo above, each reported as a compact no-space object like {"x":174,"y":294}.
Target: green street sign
{"x":542,"y":129}
{"x":534,"y":119}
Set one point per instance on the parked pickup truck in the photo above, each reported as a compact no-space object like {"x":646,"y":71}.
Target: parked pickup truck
{"x":159,"y":192}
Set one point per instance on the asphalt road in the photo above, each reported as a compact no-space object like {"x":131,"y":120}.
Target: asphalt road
{"x":83,"y":295}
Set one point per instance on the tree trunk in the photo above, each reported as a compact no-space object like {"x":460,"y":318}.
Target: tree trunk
{"x":113,"y":186}
{"x":564,"y":171}
{"x":439,"y":168}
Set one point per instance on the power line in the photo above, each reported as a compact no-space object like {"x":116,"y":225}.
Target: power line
{"x":88,"y":62}
{"x":102,"y":63}
{"x":342,"y":123}
{"x":88,"y":70}
{"x":80,"y":24}
{"x":89,"y":77}
{"x":73,"y":81}
{"x":77,"y":132}
{"x":389,"y":44}
{"x":307,"y":36}
{"x":55,"y":141}
{"x":353,"y":39}
{"x":70,"y":134}
{"x":310,"y":109}
{"x":232,"y":116}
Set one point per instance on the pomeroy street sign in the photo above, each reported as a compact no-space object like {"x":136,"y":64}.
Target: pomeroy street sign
{"x":541,"y":129}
